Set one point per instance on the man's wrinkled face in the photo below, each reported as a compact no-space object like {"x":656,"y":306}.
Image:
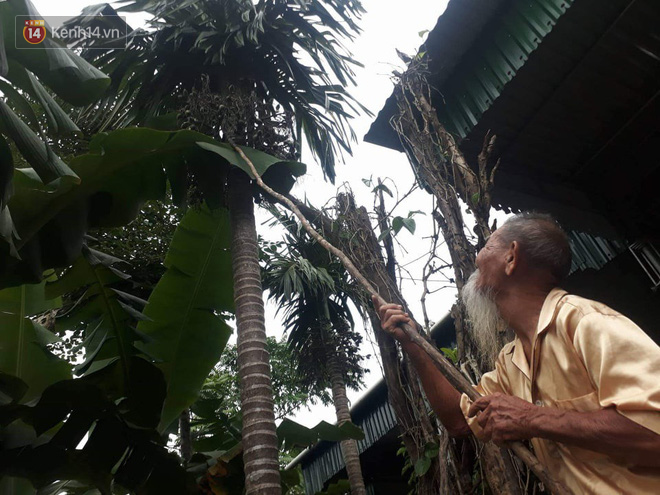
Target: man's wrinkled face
{"x":478,"y":297}
{"x":490,"y":263}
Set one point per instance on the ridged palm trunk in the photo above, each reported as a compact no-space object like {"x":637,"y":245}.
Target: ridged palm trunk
{"x":349,"y":448}
{"x":260,"y":450}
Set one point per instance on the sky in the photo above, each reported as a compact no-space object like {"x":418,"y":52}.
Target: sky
{"x":386,"y":27}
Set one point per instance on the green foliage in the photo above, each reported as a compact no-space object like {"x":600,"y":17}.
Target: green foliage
{"x":451,"y":354}
{"x":400,"y":222}
{"x":313,"y":289}
{"x":185,"y":315}
{"x":422,"y":465}
{"x":142,"y":243}
{"x":431,"y":451}
{"x":122,"y":170}
{"x":292,"y":434}
{"x":106,"y":314}
{"x":238,"y":43}
{"x":26,"y":363}
{"x":290,"y":391}
{"x":26,"y":101}
{"x":121,"y":445}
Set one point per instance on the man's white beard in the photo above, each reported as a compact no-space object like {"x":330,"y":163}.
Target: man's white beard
{"x":484,"y":318}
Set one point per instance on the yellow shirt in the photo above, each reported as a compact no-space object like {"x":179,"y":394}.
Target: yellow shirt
{"x":585,"y":357}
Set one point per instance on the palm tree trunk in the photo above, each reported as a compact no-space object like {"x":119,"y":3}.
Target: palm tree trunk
{"x":349,"y":448}
{"x":260,"y":450}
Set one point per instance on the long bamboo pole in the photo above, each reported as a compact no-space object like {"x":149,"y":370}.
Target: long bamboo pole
{"x":457,"y":380}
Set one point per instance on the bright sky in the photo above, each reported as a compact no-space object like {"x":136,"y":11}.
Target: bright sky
{"x":386,"y":27}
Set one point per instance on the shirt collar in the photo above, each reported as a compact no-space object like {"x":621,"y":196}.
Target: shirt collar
{"x":547,"y":316}
{"x":518,"y":358}
{"x":549,"y":309}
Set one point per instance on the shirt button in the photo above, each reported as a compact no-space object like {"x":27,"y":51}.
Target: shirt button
{"x":539,"y":403}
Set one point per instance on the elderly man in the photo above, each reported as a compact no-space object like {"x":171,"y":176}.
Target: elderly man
{"x":580,"y":380}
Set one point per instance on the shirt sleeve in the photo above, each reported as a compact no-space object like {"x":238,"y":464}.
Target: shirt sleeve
{"x":490,"y":383}
{"x":624,"y":365}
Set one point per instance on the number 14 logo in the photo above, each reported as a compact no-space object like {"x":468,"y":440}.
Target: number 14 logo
{"x":34,"y":31}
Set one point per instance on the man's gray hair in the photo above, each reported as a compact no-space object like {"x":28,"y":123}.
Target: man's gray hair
{"x":542,"y":241}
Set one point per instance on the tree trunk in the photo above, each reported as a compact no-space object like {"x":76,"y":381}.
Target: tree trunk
{"x":439,"y":163}
{"x":349,"y":448}
{"x":402,"y":380}
{"x":185,"y":437}
{"x":260,"y":448}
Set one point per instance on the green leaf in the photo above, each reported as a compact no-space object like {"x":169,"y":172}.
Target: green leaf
{"x":261,"y":161}
{"x":384,"y":188}
{"x":105,"y":314}
{"x":431,"y":450}
{"x":451,"y":354}
{"x":20,"y":103}
{"x":384,"y":234}
{"x":397,"y":224}
{"x":422,"y":465}
{"x":475,"y":198}
{"x":184,"y":310}
{"x":291,"y":433}
{"x":63,"y":71}
{"x":6,"y":172}
{"x":37,"y":153}
{"x":351,"y":430}
{"x":23,"y":354}
{"x":409,"y":223}
{"x":12,"y":386}
{"x":58,"y":120}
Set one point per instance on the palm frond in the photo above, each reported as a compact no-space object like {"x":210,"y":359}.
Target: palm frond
{"x":291,"y":52}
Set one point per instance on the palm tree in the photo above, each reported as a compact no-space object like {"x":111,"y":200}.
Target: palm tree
{"x":313,"y":289}
{"x":257,"y":73}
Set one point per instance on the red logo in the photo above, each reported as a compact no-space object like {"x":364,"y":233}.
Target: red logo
{"x":34,"y":31}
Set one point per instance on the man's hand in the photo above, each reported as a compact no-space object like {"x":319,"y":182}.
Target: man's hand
{"x":391,"y":317}
{"x":504,"y":418}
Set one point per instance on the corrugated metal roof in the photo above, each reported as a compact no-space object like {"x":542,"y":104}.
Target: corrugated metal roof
{"x":321,"y":468}
{"x":457,"y":29}
{"x":572,"y":91}
{"x":495,"y":60}
{"x":592,"y":251}
{"x":475,"y":49}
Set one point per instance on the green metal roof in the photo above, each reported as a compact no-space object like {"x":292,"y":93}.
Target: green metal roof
{"x":572,"y":91}
{"x":476,"y":48}
{"x":495,"y":60}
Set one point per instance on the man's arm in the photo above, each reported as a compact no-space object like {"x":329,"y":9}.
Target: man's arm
{"x":505,"y":418}
{"x":443,"y":397}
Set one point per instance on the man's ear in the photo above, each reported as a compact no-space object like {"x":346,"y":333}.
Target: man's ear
{"x":512,"y":258}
